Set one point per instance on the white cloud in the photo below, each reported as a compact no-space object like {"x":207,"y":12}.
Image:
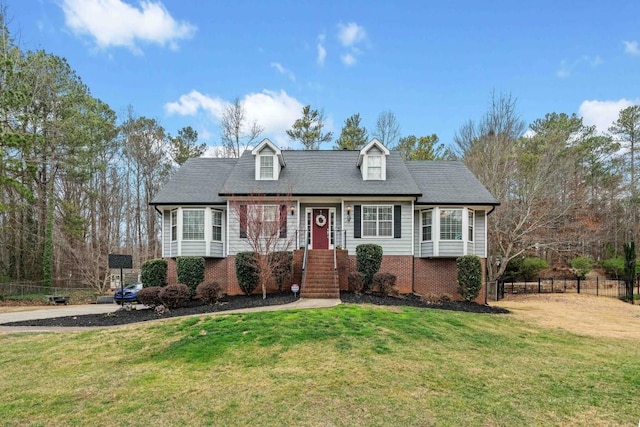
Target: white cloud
{"x":322,"y":52}
{"x":631,"y":47}
{"x":284,"y":71}
{"x":274,"y":111}
{"x":602,"y":114}
{"x":351,"y":34}
{"x":190,"y":103}
{"x":115,"y":23}
{"x":348,"y":59}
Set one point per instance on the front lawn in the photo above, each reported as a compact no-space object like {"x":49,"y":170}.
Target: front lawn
{"x":349,"y":365}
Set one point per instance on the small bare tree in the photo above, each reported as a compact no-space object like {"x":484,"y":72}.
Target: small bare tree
{"x":263,"y":226}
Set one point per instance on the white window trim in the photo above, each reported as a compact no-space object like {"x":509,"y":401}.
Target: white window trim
{"x":262,"y":209}
{"x":422,"y":226}
{"x":221,"y":213}
{"x":273,"y":167}
{"x":172,"y":224}
{"x":377,"y":236}
{"x":204,"y":225}
{"x":462,"y":224}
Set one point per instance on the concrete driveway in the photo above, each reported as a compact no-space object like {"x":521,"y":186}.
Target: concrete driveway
{"x":57,"y":311}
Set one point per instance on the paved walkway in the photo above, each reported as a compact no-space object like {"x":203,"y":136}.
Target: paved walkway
{"x":79,"y":310}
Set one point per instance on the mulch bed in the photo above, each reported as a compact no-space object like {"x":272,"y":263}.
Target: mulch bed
{"x":243,"y":301}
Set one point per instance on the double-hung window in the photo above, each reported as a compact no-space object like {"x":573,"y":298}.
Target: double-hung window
{"x":266,"y":167}
{"x":263,"y":219}
{"x":193,"y":224}
{"x":451,"y":224}
{"x":470,"y":225}
{"x":216,"y":225}
{"x":174,"y":225}
{"x":377,"y":221}
{"x":374,"y":167}
{"x":427,"y":223}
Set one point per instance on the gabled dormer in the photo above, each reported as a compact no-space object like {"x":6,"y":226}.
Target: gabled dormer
{"x":372,"y":161}
{"x":269,"y":161}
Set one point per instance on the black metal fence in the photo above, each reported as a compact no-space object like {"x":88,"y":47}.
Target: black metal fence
{"x":25,"y":289}
{"x":599,"y":287}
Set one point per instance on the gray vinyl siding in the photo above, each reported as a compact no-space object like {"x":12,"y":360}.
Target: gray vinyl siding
{"x":480,"y":234}
{"x":193,"y":248}
{"x":390,"y":245}
{"x":216,"y":249}
{"x":174,"y":250}
{"x":449,"y":248}
{"x":427,"y":249}
{"x":236,"y":244}
{"x":417,"y":232}
{"x":166,"y":233}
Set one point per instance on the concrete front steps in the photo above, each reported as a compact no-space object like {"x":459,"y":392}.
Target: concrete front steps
{"x":320,"y":280}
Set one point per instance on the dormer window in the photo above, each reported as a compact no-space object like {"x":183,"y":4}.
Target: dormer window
{"x":266,"y":167}
{"x":269,"y":161}
{"x":374,"y":167}
{"x":372,"y":161}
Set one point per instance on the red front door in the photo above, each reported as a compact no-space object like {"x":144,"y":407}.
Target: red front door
{"x":320,"y":226}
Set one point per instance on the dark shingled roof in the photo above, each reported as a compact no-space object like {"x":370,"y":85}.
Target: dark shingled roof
{"x":330,"y":172}
{"x":447,"y":183}
{"x":198,"y":181}
{"x":323,"y":173}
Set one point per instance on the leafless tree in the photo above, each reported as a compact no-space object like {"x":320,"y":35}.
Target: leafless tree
{"x":387,"y":129}
{"x":237,"y":133}
{"x":263,"y":225}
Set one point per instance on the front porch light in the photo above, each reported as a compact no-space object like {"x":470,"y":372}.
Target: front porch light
{"x":348,"y":213}
{"x":293,"y":210}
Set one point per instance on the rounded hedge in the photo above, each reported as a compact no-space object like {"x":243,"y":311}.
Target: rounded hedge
{"x":368,"y":260}
{"x":154,"y":272}
{"x":190,"y":270}
{"x":247,"y":272}
{"x":469,"y":276}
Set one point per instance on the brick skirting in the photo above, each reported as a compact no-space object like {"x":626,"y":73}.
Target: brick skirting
{"x":425,"y":276}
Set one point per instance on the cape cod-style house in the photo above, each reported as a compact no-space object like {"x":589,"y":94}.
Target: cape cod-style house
{"x":424,"y":214}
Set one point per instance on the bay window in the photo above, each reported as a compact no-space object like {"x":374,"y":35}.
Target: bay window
{"x":451,"y":224}
{"x":193,"y":224}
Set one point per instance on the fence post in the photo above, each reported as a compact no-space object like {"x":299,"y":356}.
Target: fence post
{"x":597,"y":286}
{"x":565,"y":285}
{"x":578,"y":285}
{"x":538,"y":285}
{"x":552,"y":285}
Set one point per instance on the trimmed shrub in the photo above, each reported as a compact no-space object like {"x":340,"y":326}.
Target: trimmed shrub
{"x":281,"y":267}
{"x":368,"y":260}
{"x":175,"y":296}
{"x":190,"y":271}
{"x":531,"y":266}
{"x":209,"y":292}
{"x":469,"y":276}
{"x":356,"y":281}
{"x":386,"y":283}
{"x":582,"y":265}
{"x":149,"y":296}
{"x":247,"y":272}
{"x":154,"y":272}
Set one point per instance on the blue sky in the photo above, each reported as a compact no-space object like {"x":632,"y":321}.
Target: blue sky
{"x":434,"y":64}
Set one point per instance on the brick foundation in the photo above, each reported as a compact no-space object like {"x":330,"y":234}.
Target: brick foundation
{"x":425,"y":276}
{"x":439,"y":277}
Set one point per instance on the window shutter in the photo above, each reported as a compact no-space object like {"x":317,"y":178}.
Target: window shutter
{"x":243,"y":221}
{"x":283,"y":221}
{"x":397,"y":221}
{"x":357,"y":224}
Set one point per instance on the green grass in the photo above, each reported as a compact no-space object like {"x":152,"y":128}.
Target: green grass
{"x":344,"y":366}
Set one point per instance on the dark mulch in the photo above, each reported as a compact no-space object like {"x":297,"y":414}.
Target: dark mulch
{"x":412,"y":300}
{"x":243,"y":301}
